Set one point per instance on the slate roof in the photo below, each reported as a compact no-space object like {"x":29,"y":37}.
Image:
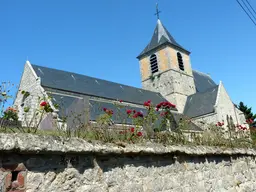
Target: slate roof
{"x":203,"y":82}
{"x":201,"y":103}
{"x":120,"y":115}
{"x":161,"y":36}
{"x":77,"y":83}
{"x":69,"y":105}
{"x":65,"y":103}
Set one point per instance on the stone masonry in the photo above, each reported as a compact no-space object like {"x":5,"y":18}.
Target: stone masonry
{"x":171,"y":85}
{"x":51,"y":164}
{"x":30,"y":83}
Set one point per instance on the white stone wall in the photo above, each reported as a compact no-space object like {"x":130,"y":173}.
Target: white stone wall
{"x":241,"y":116}
{"x":54,"y":164}
{"x":225,"y":106}
{"x":173,"y":85}
{"x":206,"y":120}
{"x":30,"y":83}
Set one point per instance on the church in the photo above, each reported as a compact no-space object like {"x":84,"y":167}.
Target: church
{"x":166,"y":75}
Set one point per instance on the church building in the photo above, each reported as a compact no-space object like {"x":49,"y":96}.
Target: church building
{"x":166,"y":75}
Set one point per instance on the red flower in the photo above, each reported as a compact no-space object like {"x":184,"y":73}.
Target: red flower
{"x":147,"y":103}
{"x":249,"y":121}
{"x":164,"y":113}
{"x":121,"y":101}
{"x":166,"y":105}
{"x":108,"y":111}
{"x":219,"y":124}
{"x":134,"y":111}
{"x":137,"y":114}
{"x":139,"y":134}
{"x":11,"y":109}
{"x":128,"y":111}
{"x":132,"y":129}
{"x":43,"y":104}
{"x":140,"y":114}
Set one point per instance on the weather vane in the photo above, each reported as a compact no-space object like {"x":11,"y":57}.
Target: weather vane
{"x":157,"y":11}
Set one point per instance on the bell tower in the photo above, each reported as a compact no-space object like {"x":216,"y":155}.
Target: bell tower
{"x":165,"y":67}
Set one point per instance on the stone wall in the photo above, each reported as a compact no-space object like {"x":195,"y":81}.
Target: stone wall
{"x":52,"y":164}
{"x":30,"y":83}
{"x":174,"y":85}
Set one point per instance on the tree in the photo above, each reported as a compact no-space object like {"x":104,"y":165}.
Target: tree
{"x":249,"y":116}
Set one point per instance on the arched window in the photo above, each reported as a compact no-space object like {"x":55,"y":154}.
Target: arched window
{"x":180,"y":61}
{"x":153,"y":63}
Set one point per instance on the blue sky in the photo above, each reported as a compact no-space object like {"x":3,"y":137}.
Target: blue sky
{"x":102,"y":38}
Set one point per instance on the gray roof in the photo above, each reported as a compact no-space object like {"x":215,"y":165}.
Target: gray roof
{"x":201,"y":103}
{"x":160,"y":37}
{"x":71,"y":107}
{"x":203,"y":81}
{"x":76,"y":83}
{"x":120,"y":116}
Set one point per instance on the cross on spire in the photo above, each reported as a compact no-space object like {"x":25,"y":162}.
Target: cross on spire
{"x":157,"y":11}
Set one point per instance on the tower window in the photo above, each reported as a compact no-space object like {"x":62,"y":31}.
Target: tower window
{"x":180,"y":61}
{"x":153,"y":63}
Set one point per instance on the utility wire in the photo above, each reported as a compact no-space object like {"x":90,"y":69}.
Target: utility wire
{"x":251,"y":6}
{"x":249,"y":9}
{"x":246,"y":12}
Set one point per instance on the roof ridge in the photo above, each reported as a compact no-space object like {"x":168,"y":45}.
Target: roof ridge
{"x":206,"y":91}
{"x":201,"y":73}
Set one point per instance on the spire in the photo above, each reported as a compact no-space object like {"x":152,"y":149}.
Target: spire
{"x":157,"y":11}
{"x":160,"y":37}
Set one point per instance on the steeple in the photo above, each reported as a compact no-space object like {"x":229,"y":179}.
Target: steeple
{"x":161,"y":37}
{"x":165,"y":67}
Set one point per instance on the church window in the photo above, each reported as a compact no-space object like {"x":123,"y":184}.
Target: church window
{"x":180,"y":61}
{"x":153,"y":63}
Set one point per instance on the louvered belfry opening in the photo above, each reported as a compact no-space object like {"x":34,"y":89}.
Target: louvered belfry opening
{"x":180,"y":61}
{"x":153,"y":63}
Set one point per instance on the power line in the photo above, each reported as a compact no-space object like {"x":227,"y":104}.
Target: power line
{"x":251,"y":6}
{"x":249,"y":9}
{"x":246,"y":12}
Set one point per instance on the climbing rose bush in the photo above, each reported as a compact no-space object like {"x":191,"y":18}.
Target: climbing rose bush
{"x":219,"y":124}
{"x":11,"y":114}
{"x":46,"y":107}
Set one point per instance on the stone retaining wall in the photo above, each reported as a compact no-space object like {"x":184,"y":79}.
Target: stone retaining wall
{"x":52,"y":164}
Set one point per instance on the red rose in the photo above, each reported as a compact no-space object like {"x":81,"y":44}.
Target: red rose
{"x":139,"y":134}
{"x":128,"y":111}
{"x":132,"y":129}
{"x":140,"y":114}
{"x":43,"y":104}
{"x":147,"y":103}
{"x":104,"y":109}
{"x":121,"y":101}
{"x":135,"y":115}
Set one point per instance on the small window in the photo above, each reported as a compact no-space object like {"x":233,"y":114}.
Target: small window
{"x":153,"y":63}
{"x":180,"y":61}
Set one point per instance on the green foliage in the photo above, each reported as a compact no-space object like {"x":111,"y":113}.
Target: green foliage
{"x":157,"y":124}
{"x":10,"y":114}
{"x":247,"y":112}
